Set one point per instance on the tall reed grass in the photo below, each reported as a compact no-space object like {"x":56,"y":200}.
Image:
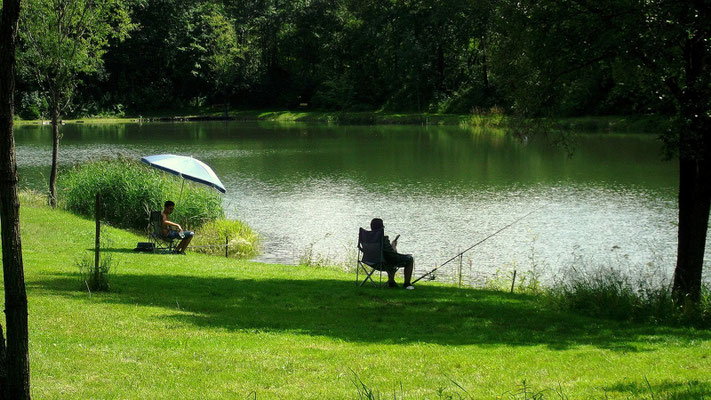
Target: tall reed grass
{"x":611,"y":293}
{"x":130,"y":189}
{"x":242,"y":241}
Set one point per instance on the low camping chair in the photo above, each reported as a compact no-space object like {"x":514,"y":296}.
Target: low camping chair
{"x":370,"y":255}
{"x":155,"y":233}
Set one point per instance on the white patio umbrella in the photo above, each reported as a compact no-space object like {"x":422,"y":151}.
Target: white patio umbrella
{"x":186,"y":168}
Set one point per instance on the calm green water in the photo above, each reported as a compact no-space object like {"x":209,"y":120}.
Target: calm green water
{"x":307,"y":188}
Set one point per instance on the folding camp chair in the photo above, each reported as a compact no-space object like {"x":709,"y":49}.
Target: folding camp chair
{"x":155,"y":233}
{"x":370,"y":255}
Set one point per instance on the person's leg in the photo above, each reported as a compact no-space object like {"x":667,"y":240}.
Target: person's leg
{"x":391,"y":278}
{"x":409,"y":267}
{"x":184,"y":243}
{"x":180,"y":248}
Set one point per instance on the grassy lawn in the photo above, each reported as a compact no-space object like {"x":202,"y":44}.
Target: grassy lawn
{"x":202,"y":327}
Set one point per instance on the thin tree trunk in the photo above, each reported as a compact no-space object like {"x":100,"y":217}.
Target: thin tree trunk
{"x":16,"y":364}
{"x":484,"y":64}
{"x":227,"y":104}
{"x":55,"y":152}
{"x":440,"y":67}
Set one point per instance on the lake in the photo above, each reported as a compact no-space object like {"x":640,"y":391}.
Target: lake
{"x":306,"y":188}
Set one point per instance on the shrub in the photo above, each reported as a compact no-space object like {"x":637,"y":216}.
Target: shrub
{"x":243,"y":241}
{"x":130,"y":189}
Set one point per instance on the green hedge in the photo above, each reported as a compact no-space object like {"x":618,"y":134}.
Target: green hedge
{"x":129,"y":189}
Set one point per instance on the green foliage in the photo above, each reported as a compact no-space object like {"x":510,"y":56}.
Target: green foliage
{"x":420,"y":56}
{"x":32,"y":106}
{"x":242,"y":241}
{"x":129,"y":190}
{"x":60,"y":40}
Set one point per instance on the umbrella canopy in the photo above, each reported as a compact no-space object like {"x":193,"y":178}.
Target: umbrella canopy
{"x":187,"y":168}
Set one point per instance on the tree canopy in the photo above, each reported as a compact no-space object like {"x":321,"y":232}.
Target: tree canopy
{"x":422,"y":55}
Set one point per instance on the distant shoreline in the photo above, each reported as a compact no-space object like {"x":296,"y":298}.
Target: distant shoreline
{"x":623,"y":124}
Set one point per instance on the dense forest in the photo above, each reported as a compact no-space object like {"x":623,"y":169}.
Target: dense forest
{"x":400,"y":55}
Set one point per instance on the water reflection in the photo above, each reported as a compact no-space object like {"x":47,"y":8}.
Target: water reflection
{"x":442,"y":188}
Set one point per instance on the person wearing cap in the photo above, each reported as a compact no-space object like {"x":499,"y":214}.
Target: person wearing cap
{"x":393,"y":259}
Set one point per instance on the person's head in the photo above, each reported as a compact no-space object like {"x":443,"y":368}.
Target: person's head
{"x":376,"y":223}
{"x":168,"y":207}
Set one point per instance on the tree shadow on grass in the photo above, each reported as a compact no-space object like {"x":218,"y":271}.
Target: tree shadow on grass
{"x":339,"y":309}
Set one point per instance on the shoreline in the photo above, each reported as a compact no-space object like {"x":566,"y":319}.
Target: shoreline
{"x":607,"y":124}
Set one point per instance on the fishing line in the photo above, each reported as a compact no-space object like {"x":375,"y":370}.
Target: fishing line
{"x":471,"y":247}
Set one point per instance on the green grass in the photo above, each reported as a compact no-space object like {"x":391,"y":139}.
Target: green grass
{"x":199,"y":326}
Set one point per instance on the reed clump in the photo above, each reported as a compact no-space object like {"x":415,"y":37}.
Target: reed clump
{"x":611,"y":293}
{"x":241,"y":240}
{"x":96,"y":277}
{"x":31,"y":198}
{"x":130,"y":189}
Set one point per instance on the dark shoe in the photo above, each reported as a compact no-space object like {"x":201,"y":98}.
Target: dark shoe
{"x":392,"y":284}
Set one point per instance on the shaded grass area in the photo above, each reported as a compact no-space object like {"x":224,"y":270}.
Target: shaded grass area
{"x":198,"y":326}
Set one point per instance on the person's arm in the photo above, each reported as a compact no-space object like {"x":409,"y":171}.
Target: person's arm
{"x":394,"y":242}
{"x":168,"y":223}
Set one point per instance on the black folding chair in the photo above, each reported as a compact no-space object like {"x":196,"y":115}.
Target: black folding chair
{"x":155,"y":233}
{"x":370,"y":255}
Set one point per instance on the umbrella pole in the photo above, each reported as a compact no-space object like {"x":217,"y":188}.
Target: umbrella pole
{"x":181,"y":191}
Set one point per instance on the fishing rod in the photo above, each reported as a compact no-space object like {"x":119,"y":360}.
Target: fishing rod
{"x":472,"y":246}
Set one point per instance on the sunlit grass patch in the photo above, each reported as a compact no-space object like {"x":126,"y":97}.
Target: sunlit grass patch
{"x":206,"y":327}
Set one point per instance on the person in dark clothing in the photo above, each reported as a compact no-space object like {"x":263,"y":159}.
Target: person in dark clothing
{"x":393,"y":259}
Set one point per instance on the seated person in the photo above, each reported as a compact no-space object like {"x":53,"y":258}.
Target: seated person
{"x":170,"y":230}
{"x":393,"y":259}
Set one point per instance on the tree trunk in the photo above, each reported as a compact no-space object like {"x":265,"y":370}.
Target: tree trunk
{"x":16,"y":363}
{"x":55,"y":152}
{"x":694,"y":172}
{"x":440,"y":67}
{"x":694,"y":202}
{"x":3,"y":366}
{"x":484,"y":65}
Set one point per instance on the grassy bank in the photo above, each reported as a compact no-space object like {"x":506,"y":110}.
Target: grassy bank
{"x":197,"y":326}
{"x":626,"y":124}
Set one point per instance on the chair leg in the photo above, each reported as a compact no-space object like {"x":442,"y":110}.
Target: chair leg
{"x":357,"y":270}
{"x":367,"y":276}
